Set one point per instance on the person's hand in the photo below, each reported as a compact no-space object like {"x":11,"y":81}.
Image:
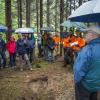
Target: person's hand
{"x":17,"y":55}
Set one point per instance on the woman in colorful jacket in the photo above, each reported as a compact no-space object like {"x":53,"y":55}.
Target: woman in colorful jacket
{"x":11,"y":47}
{"x":87,"y":67}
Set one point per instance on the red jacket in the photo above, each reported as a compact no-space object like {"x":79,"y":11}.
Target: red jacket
{"x":11,"y":46}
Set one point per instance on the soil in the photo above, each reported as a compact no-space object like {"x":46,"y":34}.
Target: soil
{"x":47,"y":81}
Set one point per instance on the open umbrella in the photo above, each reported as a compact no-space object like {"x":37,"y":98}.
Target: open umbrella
{"x":47,"y":29}
{"x":25,"y":30}
{"x":69,"y":24}
{"x":88,"y":12}
{"x":3,"y":28}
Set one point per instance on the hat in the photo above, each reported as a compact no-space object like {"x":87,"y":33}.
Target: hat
{"x":95,"y":29}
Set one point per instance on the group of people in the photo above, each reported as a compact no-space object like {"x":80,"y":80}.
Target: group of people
{"x":86,"y":52}
{"x":23,"y":48}
{"x":72,"y":45}
{"x":47,"y":43}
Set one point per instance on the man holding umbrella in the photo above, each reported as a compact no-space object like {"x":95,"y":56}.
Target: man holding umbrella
{"x":87,"y":67}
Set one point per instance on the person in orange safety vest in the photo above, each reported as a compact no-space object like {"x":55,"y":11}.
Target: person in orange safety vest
{"x":68,"y":53}
{"x":56,"y":38}
{"x":78,"y":43}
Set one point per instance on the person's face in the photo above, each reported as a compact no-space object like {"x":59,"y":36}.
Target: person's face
{"x":20,"y":36}
{"x":78,"y":34}
{"x":89,"y":36}
{"x":23,"y":36}
{"x":56,"y":34}
{"x":29,"y":35}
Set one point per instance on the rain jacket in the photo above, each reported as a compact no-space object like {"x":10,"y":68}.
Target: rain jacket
{"x":22,"y":46}
{"x":87,"y":66}
{"x":11,"y":46}
{"x":2,"y":46}
{"x":50,"y":43}
{"x":31,"y":43}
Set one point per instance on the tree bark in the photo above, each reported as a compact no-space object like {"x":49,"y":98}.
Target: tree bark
{"x":48,"y":13}
{"x":67,"y":12}
{"x":41,"y":14}
{"x":19,"y":6}
{"x":37,"y":13}
{"x":70,"y":7}
{"x":8,"y":17}
{"x":80,"y":2}
{"x":56,"y":3}
{"x":61,"y":21}
{"x":27,"y":13}
{"x":74,"y":5}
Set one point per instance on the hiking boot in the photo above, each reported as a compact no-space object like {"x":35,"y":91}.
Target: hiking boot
{"x":31,"y":68}
{"x":21,"y":69}
{"x":13,"y":67}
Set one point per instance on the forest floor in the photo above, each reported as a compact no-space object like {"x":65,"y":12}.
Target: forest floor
{"x":47,"y":81}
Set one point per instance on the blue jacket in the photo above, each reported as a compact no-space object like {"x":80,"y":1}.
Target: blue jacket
{"x":31,"y":43}
{"x":2,"y":46}
{"x":87,"y":66}
{"x":50,"y":43}
{"x":22,"y":45}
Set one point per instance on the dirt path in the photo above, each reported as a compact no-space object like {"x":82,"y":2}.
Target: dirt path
{"x":50,"y":82}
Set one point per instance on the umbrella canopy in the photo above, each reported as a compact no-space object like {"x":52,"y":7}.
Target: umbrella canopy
{"x":3,"y":28}
{"x":69,"y":24}
{"x":47,"y":29}
{"x":24,"y":30}
{"x":88,"y":12}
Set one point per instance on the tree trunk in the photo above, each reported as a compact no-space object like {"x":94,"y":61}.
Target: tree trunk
{"x":74,"y":5}
{"x":19,"y":6}
{"x":80,"y":2}
{"x":48,"y":13}
{"x":67,"y":11}
{"x":56,"y":3}
{"x":61,"y":20}
{"x":41,"y":14}
{"x":70,"y":7}
{"x":8,"y":17}
{"x":27,"y":13}
{"x":37,"y":13}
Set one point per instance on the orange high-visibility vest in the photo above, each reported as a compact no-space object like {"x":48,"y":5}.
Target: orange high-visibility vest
{"x":66,"y":42}
{"x":56,"y":39}
{"x":81,"y":43}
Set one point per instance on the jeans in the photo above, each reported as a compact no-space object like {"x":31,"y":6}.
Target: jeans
{"x":39,"y":50}
{"x":12,"y":59}
{"x":23,"y":59}
{"x":83,"y":94}
{"x":45,"y":49}
{"x":30,"y":55}
{"x":50,"y":55}
{"x":3,"y":58}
